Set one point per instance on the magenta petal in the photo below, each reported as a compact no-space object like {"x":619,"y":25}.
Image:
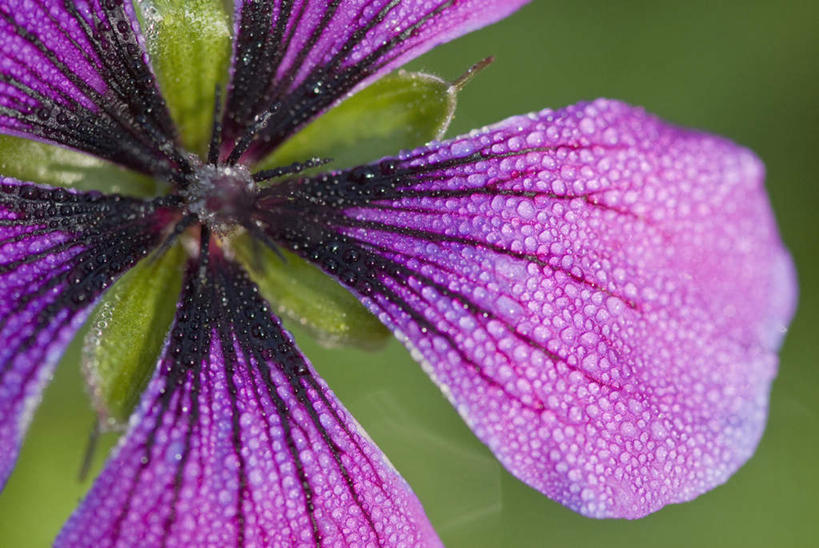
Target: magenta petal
{"x":59,"y":250}
{"x":295,"y":59}
{"x":237,"y":442}
{"x":74,"y":72}
{"x":600,"y":294}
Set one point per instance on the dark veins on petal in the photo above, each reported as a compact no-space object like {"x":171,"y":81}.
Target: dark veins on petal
{"x":59,"y":251}
{"x":86,"y":239}
{"x":270,"y":99}
{"x":220,"y":307}
{"x":311,"y":217}
{"x":74,"y":74}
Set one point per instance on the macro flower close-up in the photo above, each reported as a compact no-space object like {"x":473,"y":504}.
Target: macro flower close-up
{"x":599,"y":293}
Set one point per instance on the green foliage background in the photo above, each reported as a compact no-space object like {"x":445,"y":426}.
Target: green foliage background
{"x":747,"y":70}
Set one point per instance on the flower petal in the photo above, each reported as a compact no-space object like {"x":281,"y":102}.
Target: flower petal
{"x":237,"y":442}
{"x":293,"y":60}
{"x":600,"y":294}
{"x":74,"y":73}
{"x":59,"y":250}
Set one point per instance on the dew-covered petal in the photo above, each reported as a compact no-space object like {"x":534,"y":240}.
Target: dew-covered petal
{"x":294,"y":59}
{"x":237,"y":442}
{"x":600,"y":294}
{"x":74,"y":73}
{"x":59,"y":250}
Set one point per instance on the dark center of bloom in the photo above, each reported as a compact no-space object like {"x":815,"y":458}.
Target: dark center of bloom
{"x":220,"y":196}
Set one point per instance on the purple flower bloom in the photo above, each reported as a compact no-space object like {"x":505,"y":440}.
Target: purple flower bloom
{"x":599,"y":293}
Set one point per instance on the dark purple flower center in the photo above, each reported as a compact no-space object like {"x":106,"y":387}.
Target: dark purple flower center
{"x":220,"y":196}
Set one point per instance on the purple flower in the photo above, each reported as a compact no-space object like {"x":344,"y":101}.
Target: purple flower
{"x":599,"y":293}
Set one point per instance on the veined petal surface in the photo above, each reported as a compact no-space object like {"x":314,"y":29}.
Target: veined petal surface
{"x":600,"y":294}
{"x":74,"y":72}
{"x":237,"y":442}
{"x":59,"y":250}
{"x":293,"y":59}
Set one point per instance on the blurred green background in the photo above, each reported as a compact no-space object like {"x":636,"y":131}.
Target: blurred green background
{"x":747,"y":70}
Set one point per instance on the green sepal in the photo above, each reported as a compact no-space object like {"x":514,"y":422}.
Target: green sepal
{"x":189,"y":45}
{"x":57,"y":166}
{"x":403,"y":110}
{"x":304,"y":295}
{"x":128,"y":330}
